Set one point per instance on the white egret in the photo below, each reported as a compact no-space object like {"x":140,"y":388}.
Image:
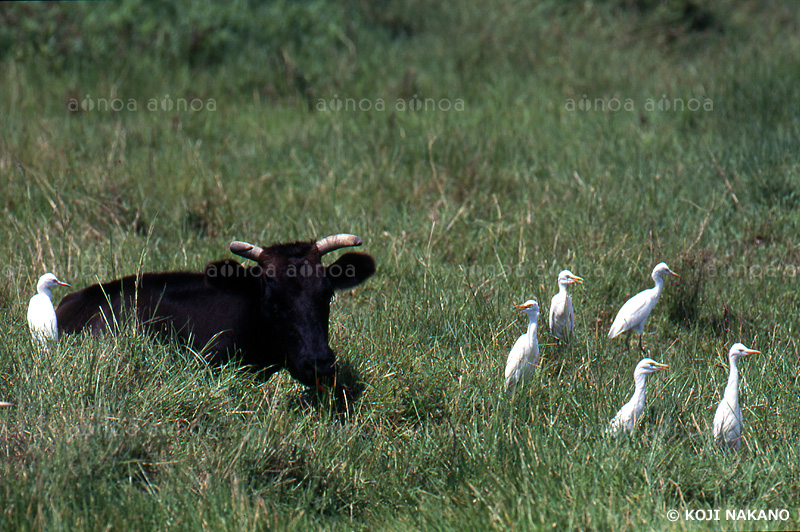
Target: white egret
{"x":41,"y":314}
{"x":525,"y":353}
{"x":635,"y":311}
{"x":728,"y":419}
{"x":562,"y":317}
{"x":629,"y":415}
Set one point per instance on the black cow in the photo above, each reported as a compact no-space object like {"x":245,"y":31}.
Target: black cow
{"x":274,"y":313}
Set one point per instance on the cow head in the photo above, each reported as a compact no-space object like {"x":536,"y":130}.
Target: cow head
{"x":296,"y":295}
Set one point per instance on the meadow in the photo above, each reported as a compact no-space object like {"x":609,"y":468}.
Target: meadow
{"x":477,"y":149}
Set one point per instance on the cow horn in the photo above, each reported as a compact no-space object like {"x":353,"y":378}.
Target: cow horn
{"x":333,"y":242}
{"x":248,"y":251}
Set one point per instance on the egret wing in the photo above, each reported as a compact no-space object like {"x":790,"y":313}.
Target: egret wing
{"x":570,"y":315}
{"x":516,"y":356}
{"x":42,"y":319}
{"x":632,"y":313}
{"x":518,"y":366}
{"x":560,"y":309}
{"x":727,"y":424}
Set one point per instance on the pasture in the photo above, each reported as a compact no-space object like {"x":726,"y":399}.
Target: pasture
{"x":477,"y":149}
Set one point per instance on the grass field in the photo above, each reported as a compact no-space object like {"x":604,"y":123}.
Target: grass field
{"x":477,"y":150}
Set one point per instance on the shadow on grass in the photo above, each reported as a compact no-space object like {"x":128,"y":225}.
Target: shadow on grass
{"x":338,"y":399}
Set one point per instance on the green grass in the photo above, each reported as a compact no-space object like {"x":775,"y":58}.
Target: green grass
{"x":467,"y":212}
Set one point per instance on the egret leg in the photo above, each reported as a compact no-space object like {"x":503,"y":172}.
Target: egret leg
{"x":640,"y":344}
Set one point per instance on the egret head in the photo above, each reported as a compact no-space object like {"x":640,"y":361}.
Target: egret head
{"x":530,"y":307}
{"x":566,"y":277}
{"x":647,"y":366}
{"x":738,"y":350}
{"x":48,"y":281}
{"x":661,"y":269}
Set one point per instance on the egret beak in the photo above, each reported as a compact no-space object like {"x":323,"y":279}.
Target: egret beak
{"x":575,"y":279}
{"x":673,"y":273}
{"x":662,"y":366}
{"x":522,"y":307}
{"x":751,"y":352}
{"x":62,"y":283}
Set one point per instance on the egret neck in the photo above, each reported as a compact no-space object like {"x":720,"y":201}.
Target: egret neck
{"x":533,"y":318}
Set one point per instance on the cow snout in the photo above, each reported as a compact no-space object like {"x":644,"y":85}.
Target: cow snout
{"x":315,"y":370}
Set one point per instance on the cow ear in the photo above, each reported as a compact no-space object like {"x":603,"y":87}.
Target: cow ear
{"x":351,"y":270}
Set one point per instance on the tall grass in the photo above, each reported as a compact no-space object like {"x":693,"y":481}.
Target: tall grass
{"x":467,"y":212}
